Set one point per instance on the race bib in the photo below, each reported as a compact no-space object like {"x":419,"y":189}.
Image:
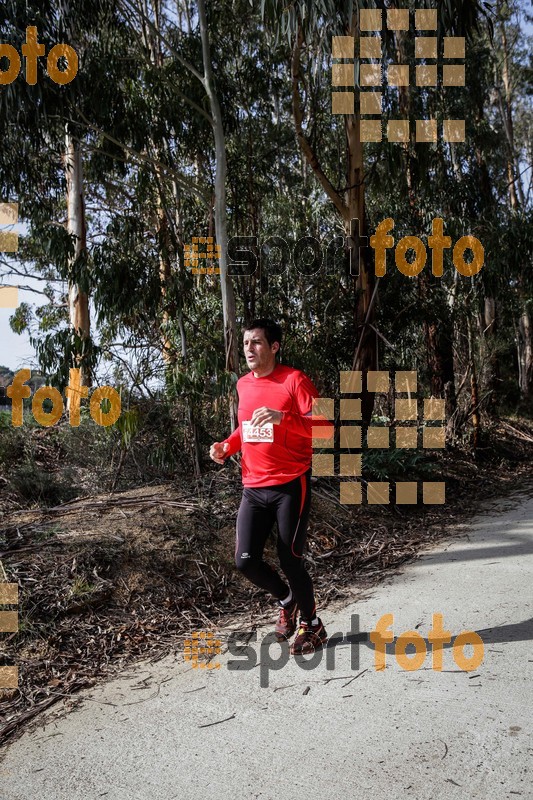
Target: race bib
{"x":256,"y":433}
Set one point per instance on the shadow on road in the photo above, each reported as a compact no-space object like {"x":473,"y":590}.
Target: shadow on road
{"x":514,"y":632}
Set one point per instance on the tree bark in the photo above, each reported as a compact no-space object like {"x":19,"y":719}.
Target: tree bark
{"x":365,"y":351}
{"x":474,"y":390}
{"x":165,"y":276}
{"x":491,"y":367}
{"x":437,"y":326}
{"x":525,"y":353}
{"x":168,"y":348}
{"x":516,"y":201}
{"x":488,"y":318}
{"x":228,"y":297}
{"x":194,"y":442}
{"x":506,"y":108}
{"x":350,"y":207}
{"x":76,"y":226}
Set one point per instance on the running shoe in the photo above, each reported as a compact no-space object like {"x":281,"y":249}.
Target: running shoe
{"x":309,"y":638}
{"x":286,"y":624}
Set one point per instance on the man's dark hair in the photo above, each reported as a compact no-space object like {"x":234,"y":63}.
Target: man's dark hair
{"x":273,"y":332}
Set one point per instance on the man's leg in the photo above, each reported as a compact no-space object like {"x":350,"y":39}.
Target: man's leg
{"x":293,"y":504}
{"x":293,"y":513}
{"x":254,"y":522}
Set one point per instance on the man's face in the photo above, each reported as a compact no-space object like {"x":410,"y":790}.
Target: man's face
{"x":260,"y":355}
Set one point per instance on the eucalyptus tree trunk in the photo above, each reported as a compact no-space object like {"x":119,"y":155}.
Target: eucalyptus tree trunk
{"x":76,"y":226}
{"x":490,"y":311}
{"x":490,"y":370}
{"x":171,"y":311}
{"x":365,"y":351}
{"x":506,"y":110}
{"x":194,"y":439}
{"x":437,"y":326}
{"x":350,"y":206}
{"x":228,"y":297}
{"x":525,"y":354}
{"x":474,"y":389}
{"x":152,"y":44}
{"x":168,"y":351}
{"x":516,"y":201}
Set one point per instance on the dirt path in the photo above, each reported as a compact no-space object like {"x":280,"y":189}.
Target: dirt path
{"x":343,"y":729}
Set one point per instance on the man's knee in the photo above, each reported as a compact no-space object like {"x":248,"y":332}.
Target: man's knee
{"x":244,"y":563}
{"x":291,"y":564}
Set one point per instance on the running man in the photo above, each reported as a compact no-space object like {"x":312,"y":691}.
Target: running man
{"x":275,"y":436}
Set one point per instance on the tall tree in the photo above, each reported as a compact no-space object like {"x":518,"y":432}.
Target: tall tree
{"x":228,"y":297}
{"x":78,"y":296}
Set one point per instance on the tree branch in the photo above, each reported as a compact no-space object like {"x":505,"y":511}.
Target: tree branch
{"x":146,"y":159}
{"x":307,"y":150}
{"x":188,"y":66}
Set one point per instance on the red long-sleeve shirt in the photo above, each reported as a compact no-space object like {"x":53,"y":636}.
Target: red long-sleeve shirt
{"x":290,"y":454}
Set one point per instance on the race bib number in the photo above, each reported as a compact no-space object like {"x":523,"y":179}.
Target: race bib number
{"x":257,"y":433}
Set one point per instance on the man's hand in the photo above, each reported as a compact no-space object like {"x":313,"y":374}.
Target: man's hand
{"x":217,"y":452}
{"x":264,"y":414}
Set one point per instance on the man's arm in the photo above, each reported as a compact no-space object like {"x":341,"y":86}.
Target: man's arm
{"x":219,"y":451}
{"x":310,"y":425}
{"x":234,"y":441}
{"x":302,"y":420}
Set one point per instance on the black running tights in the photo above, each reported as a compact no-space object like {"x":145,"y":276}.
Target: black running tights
{"x":288,"y":505}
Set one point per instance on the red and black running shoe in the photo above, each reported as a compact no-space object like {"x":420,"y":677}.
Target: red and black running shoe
{"x":286,"y":624}
{"x":309,"y":638}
